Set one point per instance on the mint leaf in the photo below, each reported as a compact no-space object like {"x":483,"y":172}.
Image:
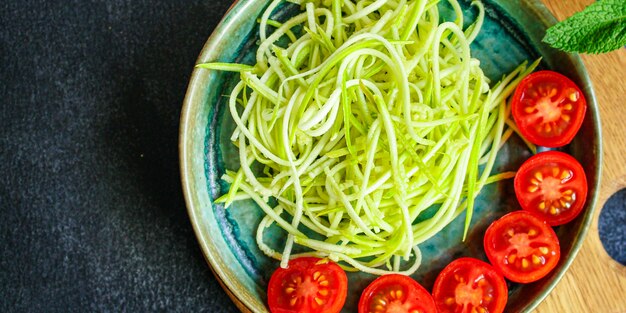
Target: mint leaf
{"x":599,"y":28}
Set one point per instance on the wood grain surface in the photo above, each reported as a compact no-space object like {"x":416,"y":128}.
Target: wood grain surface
{"x":595,"y":282}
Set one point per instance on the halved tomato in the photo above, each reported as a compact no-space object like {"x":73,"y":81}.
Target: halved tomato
{"x":522,"y":247}
{"x":548,"y":108}
{"x":553,"y":186}
{"x":469,"y":285}
{"x":308,"y":285}
{"x":395,"y":293}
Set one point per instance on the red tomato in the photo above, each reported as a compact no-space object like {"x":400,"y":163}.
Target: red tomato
{"x":469,"y":285}
{"x":308,"y":285}
{"x":395,"y":293}
{"x":553,"y":186}
{"x":522,"y":247}
{"x":548,"y":108}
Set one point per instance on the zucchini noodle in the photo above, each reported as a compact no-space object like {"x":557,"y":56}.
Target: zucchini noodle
{"x":364,"y":114}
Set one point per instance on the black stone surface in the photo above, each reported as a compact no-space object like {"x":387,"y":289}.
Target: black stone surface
{"x":92,"y":217}
{"x":612,"y":226}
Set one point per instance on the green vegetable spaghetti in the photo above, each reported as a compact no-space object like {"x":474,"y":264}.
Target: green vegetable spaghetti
{"x":364,"y":114}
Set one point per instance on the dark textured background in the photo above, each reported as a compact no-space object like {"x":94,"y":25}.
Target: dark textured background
{"x":92,"y":216}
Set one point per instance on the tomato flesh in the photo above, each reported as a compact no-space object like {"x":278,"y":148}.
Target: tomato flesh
{"x":548,"y":108}
{"x":469,"y":285}
{"x":553,"y":186}
{"x":308,"y":285}
{"x":522,"y":247}
{"x":395,"y":293}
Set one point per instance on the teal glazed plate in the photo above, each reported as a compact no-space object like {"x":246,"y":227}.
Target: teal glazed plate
{"x":511,"y":33}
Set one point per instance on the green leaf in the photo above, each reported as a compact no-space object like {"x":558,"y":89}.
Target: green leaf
{"x":600,"y":28}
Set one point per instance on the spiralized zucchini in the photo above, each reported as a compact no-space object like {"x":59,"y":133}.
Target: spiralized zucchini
{"x":364,"y":114}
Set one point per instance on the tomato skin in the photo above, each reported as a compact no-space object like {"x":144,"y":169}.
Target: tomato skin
{"x":296,"y":288}
{"x":548,"y":108}
{"x":396,"y":293}
{"x":522,"y":247}
{"x":470,"y":285}
{"x":553,"y":186}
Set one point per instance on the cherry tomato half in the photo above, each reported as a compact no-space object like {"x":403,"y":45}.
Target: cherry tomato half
{"x":469,"y":285}
{"x":522,"y":247}
{"x":548,"y":108}
{"x":395,"y":293}
{"x":308,"y":285}
{"x":553,"y":186}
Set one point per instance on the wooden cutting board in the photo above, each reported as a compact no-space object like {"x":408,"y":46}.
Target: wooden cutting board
{"x":595,"y":282}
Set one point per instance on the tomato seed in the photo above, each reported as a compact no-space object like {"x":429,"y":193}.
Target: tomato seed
{"x":319,"y":301}
{"x":548,"y":127}
{"x":554,"y":210}
{"x":536,"y":260}
{"x":511,"y":258}
{"x":316,"y":275}
{"x":574,"y":95}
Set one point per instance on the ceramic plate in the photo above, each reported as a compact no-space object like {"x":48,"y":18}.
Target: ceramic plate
{"x":511,"y":33}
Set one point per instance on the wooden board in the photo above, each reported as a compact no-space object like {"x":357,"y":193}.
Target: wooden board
{"x":595,"y":282}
